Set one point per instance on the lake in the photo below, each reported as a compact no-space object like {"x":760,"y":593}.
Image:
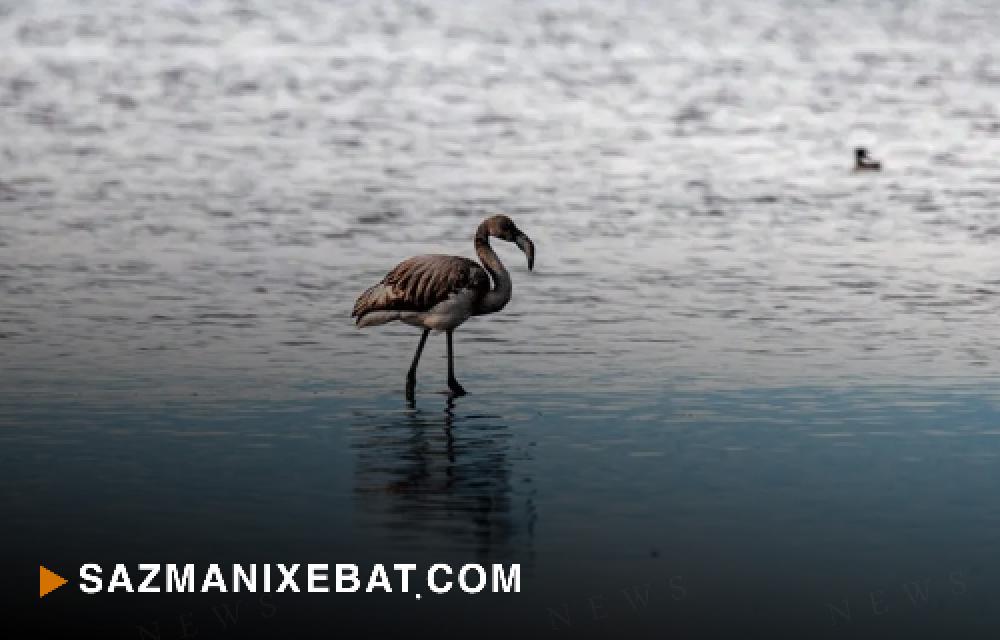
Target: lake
{"x":744,"y":391}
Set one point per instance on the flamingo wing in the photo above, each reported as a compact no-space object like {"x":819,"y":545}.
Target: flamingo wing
{"x":421,"y":282}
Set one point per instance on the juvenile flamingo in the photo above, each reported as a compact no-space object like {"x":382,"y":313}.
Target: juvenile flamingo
{"x":441,"y":292}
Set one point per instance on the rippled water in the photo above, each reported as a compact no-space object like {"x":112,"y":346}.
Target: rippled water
{"x":735,"y":361}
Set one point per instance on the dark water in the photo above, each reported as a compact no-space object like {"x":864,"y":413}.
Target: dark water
{"x":740,"y":374}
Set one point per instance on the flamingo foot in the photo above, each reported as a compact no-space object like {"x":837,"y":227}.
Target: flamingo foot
{"x":456,"y":389}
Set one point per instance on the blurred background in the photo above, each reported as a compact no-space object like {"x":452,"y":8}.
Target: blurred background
{"x":736,"y":360}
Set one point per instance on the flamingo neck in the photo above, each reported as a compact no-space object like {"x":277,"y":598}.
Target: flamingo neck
{"x":499,"y":295}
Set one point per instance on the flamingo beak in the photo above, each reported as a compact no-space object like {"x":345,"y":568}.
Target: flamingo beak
{"x":528,"y":247}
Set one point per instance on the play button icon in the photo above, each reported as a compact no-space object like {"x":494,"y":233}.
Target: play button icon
{"x":48,"y":581}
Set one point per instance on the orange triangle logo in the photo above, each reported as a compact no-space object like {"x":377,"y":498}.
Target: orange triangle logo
{"x":48,"y":581}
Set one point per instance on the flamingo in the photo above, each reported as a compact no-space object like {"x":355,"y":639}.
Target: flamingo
{"x":440,"y":292}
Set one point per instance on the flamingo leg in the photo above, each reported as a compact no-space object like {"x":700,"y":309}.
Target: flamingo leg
{"x":452,"y":382}
{"x":411,"y":375}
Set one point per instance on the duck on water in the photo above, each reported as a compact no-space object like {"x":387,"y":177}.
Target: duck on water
{"x":864,"y":162}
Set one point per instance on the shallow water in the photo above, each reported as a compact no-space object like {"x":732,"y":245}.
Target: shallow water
{"x":738,"y":371}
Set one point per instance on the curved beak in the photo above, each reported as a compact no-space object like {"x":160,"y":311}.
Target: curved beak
{"x":528,"y":247}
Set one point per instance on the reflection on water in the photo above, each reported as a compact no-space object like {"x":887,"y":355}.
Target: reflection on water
{"x":769,"y":503}
{"x":445,"y":478}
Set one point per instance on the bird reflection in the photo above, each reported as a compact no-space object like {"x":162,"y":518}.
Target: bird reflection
{"x":445,"y":478}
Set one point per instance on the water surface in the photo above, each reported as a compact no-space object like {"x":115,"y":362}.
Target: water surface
{"x":739,"y":373}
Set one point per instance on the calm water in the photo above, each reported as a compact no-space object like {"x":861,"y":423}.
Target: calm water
{"x":740,"y":374}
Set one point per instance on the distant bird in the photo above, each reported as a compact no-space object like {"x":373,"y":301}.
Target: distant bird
{"x":864,"y":162}
{"x":441,"y":292}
